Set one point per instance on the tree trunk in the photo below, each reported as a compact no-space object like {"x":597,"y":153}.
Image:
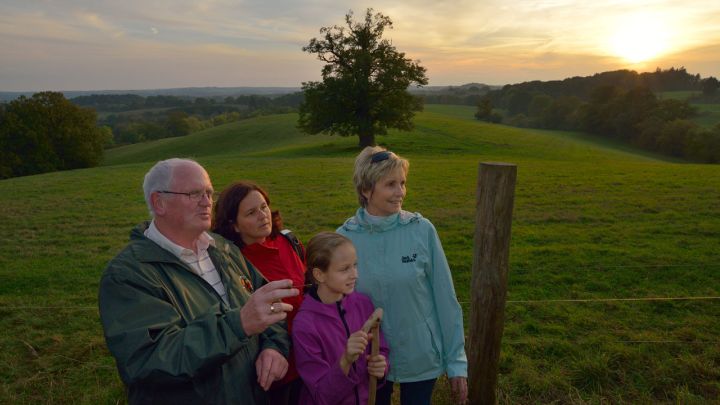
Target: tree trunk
{"x":366,"y":140}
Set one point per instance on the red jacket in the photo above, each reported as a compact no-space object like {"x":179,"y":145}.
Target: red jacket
{"x":275,"y":259}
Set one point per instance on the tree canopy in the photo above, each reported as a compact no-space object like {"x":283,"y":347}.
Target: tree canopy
{"x":620,"y":105}
{"x":364,"y":82}
{"x":710,"y":86}
{"x":46,"y":132}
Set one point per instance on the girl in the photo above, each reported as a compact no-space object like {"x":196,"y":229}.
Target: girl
{"x":403,"y":269}
{"x":242,"y":215}
{"x":331,"y":350}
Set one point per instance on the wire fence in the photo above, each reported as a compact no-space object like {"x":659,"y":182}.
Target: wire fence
{"x":580,"y":300}
{"x":2,"y":307}
{"x":611,"y":299}
{"x":571,"y":300}
{"x":638,"y":342}
{"x":533,"y":341}
{"x":601,"y":267}
{"x":661,"y":341}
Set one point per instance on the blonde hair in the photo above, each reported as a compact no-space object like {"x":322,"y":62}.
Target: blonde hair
{"x":367,"y":173}
{"x":319,"y":251}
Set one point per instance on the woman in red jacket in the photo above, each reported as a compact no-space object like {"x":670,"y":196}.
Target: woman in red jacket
{"x":242,"y":214}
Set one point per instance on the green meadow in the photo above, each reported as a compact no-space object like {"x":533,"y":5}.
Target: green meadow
{"x":594,"y":222}
{"x":708,"y":114}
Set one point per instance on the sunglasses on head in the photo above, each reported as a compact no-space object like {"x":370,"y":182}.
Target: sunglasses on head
{"x":380,"y":156}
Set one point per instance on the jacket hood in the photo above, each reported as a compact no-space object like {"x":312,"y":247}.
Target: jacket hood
{"x":359,"y":222}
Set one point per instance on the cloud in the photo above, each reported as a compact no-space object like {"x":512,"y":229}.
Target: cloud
{"x":222,"y":41}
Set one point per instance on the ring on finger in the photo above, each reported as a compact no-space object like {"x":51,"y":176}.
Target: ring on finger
{"x":272,"y":308}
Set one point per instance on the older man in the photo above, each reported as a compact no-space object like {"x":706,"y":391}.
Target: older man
{"x":187,"y":319}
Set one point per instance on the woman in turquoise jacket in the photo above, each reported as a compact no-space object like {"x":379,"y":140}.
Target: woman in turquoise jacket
{"x":402,"y":267}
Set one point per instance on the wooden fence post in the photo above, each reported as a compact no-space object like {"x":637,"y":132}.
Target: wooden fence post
{"x":495,"y":197}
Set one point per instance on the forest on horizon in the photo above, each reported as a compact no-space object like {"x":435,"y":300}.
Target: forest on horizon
{"x":623,"y":105}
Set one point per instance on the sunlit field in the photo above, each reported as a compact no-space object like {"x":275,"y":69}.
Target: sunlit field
{"x":595,"y":224}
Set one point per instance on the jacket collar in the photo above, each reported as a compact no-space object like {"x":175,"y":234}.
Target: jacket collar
{"x":147,"y":251}
{"x":268,"y":246}
{"x":359,"y":222}
{"x":316,"y":306}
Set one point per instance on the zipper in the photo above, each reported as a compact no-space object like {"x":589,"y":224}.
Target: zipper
{"x":341,"y":312}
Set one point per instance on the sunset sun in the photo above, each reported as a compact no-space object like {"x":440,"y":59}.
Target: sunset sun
{"x":639,"y":38}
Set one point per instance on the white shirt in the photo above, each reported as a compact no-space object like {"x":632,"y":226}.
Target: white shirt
{"x":199,"y":263}
{"x":373,"y":219}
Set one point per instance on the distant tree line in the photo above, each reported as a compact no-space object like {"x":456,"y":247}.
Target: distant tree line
{"x":45,"y":133}
{"x":710,"y":92}
{"x":621,"y":105}
{"x":128,"y":102}
{"x":133,"y":118}
{"x":460,"y":95}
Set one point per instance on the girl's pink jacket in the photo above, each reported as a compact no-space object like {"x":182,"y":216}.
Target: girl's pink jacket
{"x":320,"y":333}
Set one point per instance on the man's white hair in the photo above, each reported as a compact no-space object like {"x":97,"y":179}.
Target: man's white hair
{"x":160,"y":177}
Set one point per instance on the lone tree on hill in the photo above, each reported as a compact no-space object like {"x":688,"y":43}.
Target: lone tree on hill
{"x":365,"y":82}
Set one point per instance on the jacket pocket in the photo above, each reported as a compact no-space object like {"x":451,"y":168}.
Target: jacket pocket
{"x":435,"y":340}
{"x":420,"y":350}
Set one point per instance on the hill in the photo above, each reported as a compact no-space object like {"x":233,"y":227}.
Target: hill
{"x":191,"y":92}
{"x":622,"y":105}
{"x":221,"y":92}
{"x":440,"y":129}
{"x":592,"y":221}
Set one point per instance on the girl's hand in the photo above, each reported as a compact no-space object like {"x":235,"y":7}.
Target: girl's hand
{"x":376,"y":365}
{"x":356,"y":344}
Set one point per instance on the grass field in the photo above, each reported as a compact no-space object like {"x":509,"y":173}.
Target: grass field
{"x":708,"y":115}
{"x":678,"y":95}
{"x":592,"y":220}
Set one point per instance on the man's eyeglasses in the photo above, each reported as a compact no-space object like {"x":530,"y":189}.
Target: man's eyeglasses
{"x":380,"y":156}
{"x":194,"y":195}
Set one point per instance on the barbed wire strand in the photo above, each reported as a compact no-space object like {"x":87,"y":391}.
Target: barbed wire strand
{"x":575,"y":300}
{"x":31,"y":307}
{"x":684,"y":342}
{"x":612,"y":266}
{"x":605,"y":300}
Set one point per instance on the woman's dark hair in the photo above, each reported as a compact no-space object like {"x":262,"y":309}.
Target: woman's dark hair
{"x":319,"y":251}
{"x":226,"y":210}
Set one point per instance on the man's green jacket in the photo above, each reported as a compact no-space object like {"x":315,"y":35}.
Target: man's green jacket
{"x":174,"y":339}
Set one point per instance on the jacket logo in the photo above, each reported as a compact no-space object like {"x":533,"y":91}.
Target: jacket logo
{"x":409,"y":259}
{"x":247,"y":285}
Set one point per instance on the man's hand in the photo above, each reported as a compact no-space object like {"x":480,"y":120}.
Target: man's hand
{"x":264,"y":307}
{"x":376,"y":365}
{"x":270,"y":366}
{"x":458,"y":386}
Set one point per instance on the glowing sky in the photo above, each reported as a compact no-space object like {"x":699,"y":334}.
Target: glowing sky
{"x":131,"y":44}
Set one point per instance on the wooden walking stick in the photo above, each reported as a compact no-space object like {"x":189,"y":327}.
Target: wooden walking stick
{"x":373,"y":325}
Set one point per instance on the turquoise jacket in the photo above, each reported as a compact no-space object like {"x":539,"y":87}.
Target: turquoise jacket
{"x":403,"y":269}
{"x":174,"y":339}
